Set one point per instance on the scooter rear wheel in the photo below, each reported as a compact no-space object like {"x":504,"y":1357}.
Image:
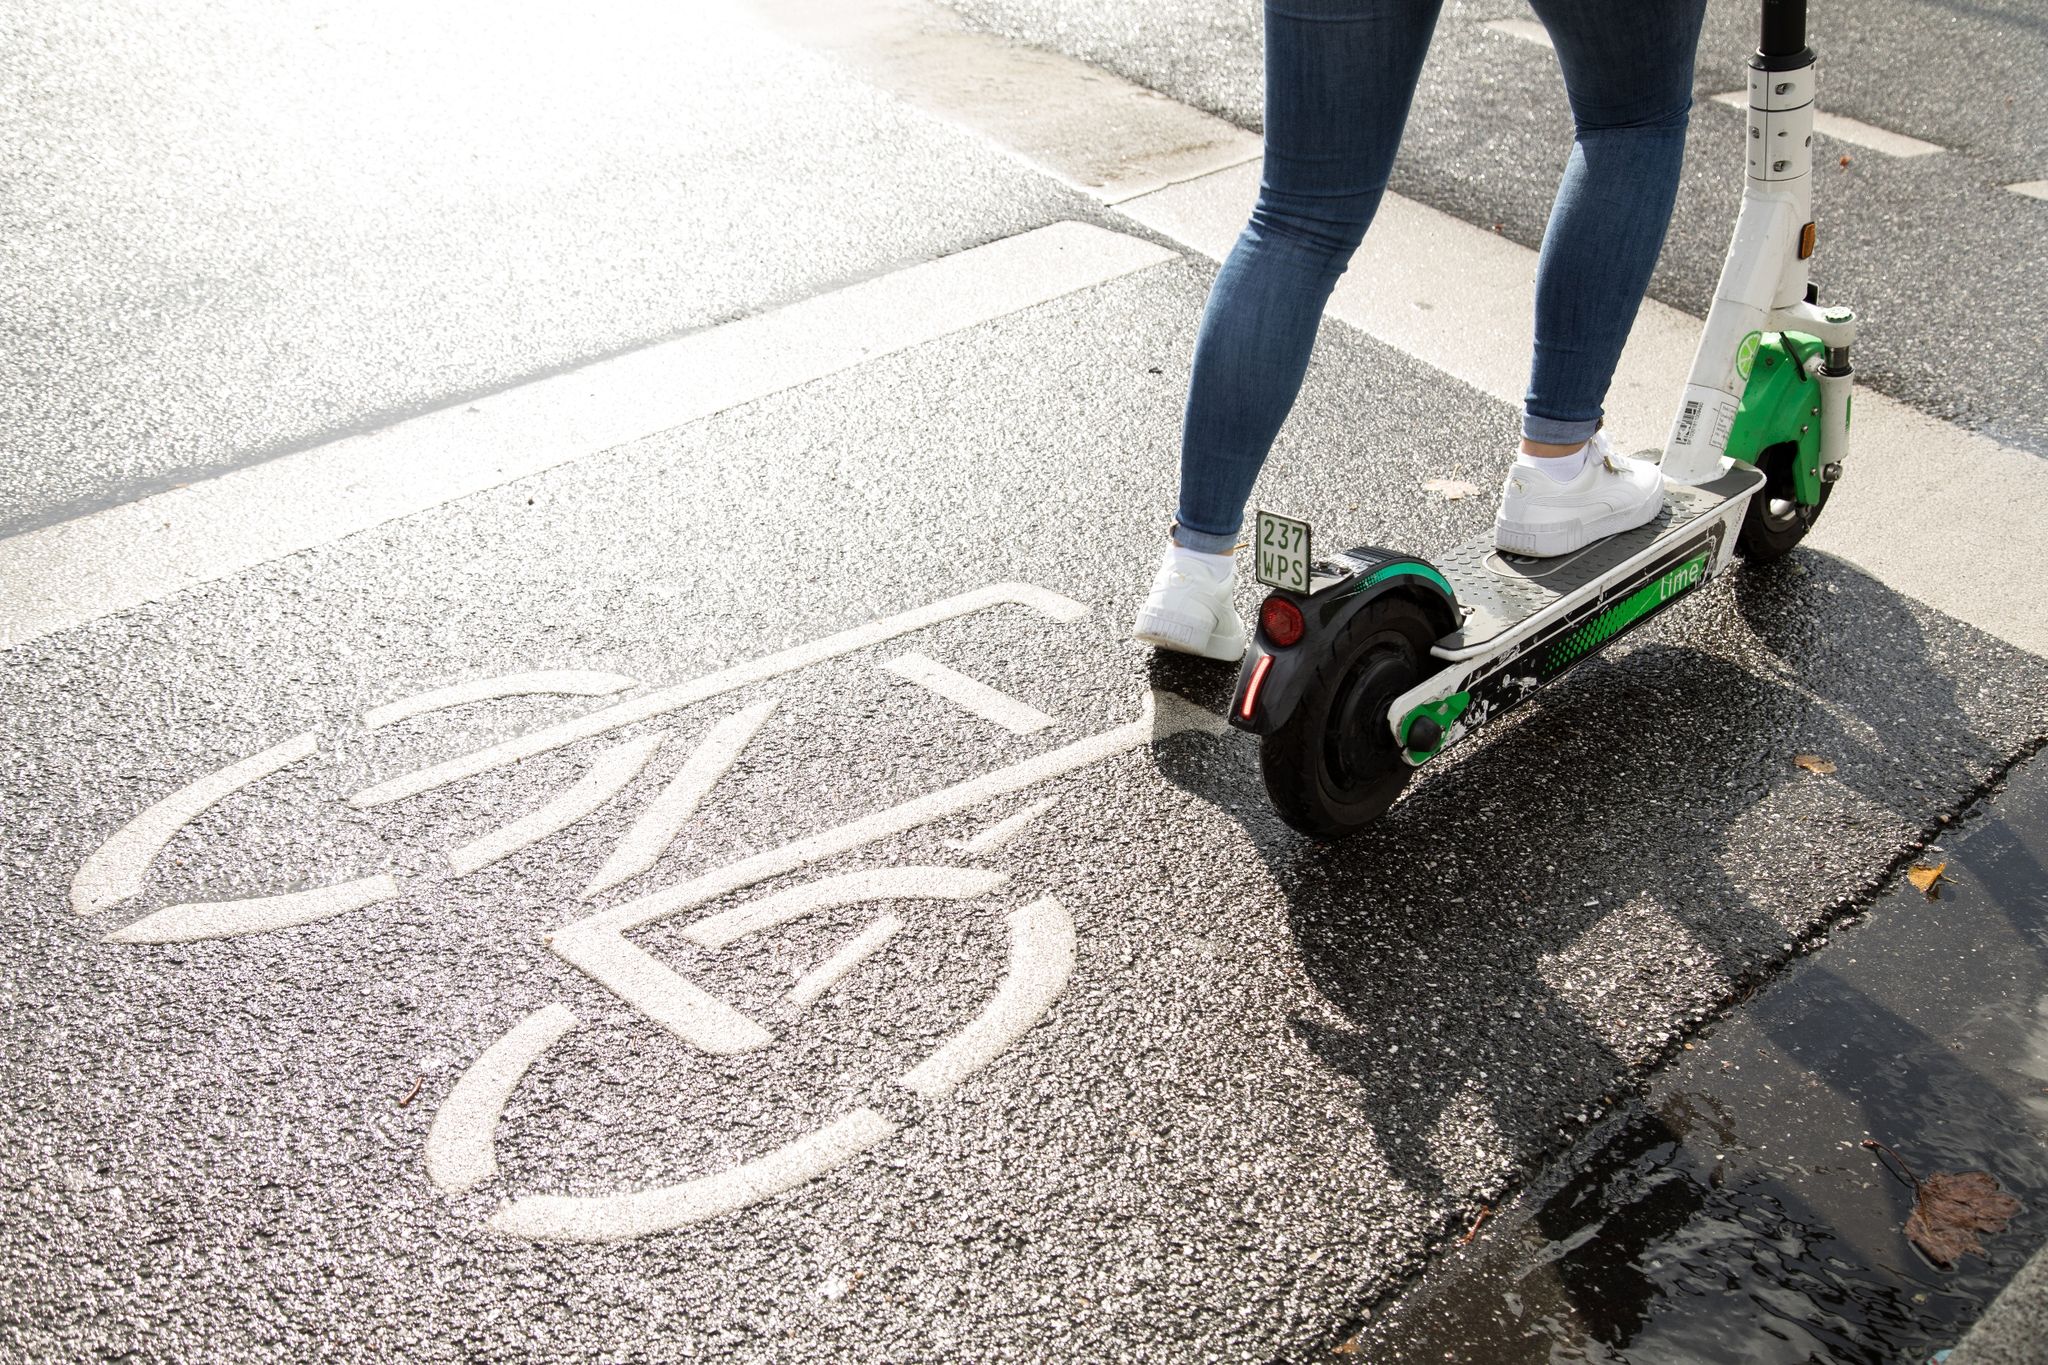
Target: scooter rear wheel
{"x":1332,"y":767}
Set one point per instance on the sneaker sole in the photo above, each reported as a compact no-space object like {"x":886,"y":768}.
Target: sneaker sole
{"x":1163,"y":632}
{"x":1550,"y":541}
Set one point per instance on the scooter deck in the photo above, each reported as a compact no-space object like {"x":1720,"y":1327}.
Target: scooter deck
{"x":1500,"y":592}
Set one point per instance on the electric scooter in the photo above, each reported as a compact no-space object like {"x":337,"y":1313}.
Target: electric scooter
{"x":1367,"y":665}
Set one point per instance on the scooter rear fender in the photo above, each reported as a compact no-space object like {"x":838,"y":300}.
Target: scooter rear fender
{"x":1268,"y":693}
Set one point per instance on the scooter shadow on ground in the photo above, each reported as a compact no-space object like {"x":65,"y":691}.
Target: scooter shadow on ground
{"x":1520,"y":927}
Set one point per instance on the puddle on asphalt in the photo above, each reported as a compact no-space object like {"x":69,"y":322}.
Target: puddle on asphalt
{"x":1731,"y":1214}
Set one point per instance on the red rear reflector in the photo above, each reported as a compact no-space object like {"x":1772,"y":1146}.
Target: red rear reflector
{"x":1251,"y":691}
{"x":1806,"y":236}
{"x":1281,"y":620}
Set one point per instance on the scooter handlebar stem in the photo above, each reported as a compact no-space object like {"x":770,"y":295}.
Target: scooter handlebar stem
{"x":1765,"y":271}
{"x":1783,"y":37}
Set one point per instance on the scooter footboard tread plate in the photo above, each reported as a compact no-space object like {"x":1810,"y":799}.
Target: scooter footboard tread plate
{"x":1501,"y":591}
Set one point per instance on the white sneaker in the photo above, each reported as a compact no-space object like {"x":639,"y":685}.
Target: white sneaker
{"x":1190,"y":608}
{"x":1542,"y":517}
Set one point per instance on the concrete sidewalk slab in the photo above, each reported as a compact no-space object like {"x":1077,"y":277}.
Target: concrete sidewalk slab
{"x":2014,"y":1330}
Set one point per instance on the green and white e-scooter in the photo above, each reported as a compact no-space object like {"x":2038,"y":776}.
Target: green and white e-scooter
{"x":1368,"y":664}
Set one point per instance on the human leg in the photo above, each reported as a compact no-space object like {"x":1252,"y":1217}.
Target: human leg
{"x":1628,"y":71}
{"x":1340,"y":75}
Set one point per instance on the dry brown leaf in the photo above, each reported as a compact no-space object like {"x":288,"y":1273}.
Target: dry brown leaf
{"x":1349,"y":1348}
{"x":1813,"y":763}
{"x":1844,"y":162}
{"x":1924,"y":877}
{"x":1451,"y":490}
{"x":1952,"y":1210}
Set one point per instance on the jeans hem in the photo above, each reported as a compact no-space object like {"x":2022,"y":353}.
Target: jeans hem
{"x":1556,"y":431}
{"x":1204,"y":542}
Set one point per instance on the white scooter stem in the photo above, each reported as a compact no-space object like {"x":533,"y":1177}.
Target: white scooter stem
{"x":1763,"y":280}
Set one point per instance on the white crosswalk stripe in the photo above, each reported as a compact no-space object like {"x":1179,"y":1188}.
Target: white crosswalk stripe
{"x":143,"y":551}
{"x":1854,"y":131}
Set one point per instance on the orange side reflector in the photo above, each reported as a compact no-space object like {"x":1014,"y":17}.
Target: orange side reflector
{"x":1806,"y":236}
{"x":1251,"y":691}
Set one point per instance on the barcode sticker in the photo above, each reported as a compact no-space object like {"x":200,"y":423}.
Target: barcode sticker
{"x":1688,"y":420}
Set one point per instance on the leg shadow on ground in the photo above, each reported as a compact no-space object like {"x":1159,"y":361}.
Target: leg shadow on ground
{"x":1541,"y":918}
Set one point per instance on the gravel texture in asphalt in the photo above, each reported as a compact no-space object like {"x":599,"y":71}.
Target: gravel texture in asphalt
{"x":1279,"y":1075}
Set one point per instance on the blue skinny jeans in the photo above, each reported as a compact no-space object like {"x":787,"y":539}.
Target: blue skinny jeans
{"x":1340,"y":75}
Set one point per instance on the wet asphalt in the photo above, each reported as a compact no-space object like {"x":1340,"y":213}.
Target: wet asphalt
{"x":1731,"y":1213}
{"x":1282,"y":1074}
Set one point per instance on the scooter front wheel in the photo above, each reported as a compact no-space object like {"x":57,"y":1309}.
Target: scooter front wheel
{"x":1332,"y":767}
{"x":1774,"y":522}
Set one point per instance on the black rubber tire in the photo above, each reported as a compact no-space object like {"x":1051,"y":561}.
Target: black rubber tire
{"x":1333,"y":768}
{"x":1767,"y":535}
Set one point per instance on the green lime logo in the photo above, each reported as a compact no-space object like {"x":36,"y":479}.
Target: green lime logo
{"x":1745,"y":354}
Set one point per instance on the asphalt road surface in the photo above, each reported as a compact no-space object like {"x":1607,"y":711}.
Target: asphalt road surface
{"x":615,"y":817}
{"x":1933,"y":249}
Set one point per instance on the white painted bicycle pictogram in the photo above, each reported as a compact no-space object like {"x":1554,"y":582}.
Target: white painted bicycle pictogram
{"x":460,"y":1150}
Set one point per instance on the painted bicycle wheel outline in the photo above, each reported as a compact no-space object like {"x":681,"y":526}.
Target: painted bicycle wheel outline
{"x":461,"y":1144}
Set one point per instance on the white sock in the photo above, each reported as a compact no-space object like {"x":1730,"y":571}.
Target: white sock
{"x":1217,"y":566}
{"x":1562,"y":468}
